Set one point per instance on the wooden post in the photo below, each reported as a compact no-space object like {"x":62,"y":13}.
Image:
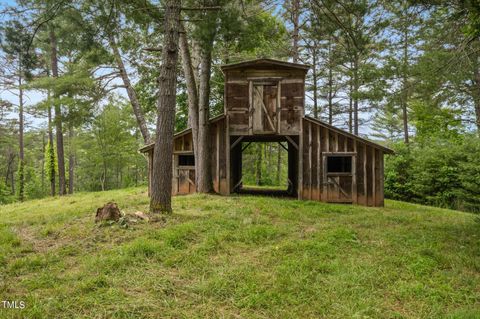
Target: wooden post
{"x":354,"y":173}
{"x":381,"y":180}
{"x":228,"y":153}
{"x":279,"y":106}
{"x":300,"y":161}
{"x":365,"y":189}
{"x":319,"y":128}
{"x":218,"y":157}
{"x":374,"y":195}
{"x":250,"y":107}
{"x":310,"y":160}
{"x":150,"y":171}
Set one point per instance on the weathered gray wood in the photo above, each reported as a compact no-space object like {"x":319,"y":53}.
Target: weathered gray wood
{"x":365,"y":159}
{"x":373,"y":178}
{"x":291,"y":141}
{"x":310,"y":172}
{"x":218,"y":158}
{"x":354,"y":176}
{"x":228,"y":150}
{"x":318,"y":163}
{"x":279,"y":107}
{"x":300,"y":162}
{"x":250,"y":110}
{"x":238,"y":140}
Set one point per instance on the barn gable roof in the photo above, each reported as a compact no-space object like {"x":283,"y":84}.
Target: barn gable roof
{"x":353,"y":136}
{"x":150,"y":146}
{"x":265,"y":63}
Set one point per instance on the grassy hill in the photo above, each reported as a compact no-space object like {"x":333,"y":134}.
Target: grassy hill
{"x":238,"y":257}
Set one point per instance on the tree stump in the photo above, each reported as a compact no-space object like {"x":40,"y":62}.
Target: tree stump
{"x":109,"y":211}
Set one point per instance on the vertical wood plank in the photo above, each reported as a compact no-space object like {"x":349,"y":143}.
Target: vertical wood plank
{"x":228,"y":152}
{"x":300,"y":161}
{"x":250,"y":108}
{"x":310,"y":172}
{"x":336,"y":142}
{"x":328,"y":140}
{"x":365,"y":189}
{"x":218,"y":157}
{"x":374,"y":177}
{"x":382,"y":180}
{"x":318,"y":163}
{"x":279,"y":107}
{"x":354,"y":174}
{"x":150,"y":171}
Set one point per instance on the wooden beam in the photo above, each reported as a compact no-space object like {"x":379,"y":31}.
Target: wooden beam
{"x":238,"y":184}
{"x":354,"y":174}
{"x":292,"y":141}
{"x":309,"y":160}
{"x":279,"y":106}
{"x":283,"y":146}
{"x":238,"y":140}
{"x":250,"y":107}
{"x":365,"y":189}
{"x":246,"y":146}
{"x":218,"y":158}
{"x":228,"y":152}
{"x":381,"y":179}
{"x":265,"y":110}
{"x":319,"y":128}
{"x":374,"y":195}
{"x":300,"y":161}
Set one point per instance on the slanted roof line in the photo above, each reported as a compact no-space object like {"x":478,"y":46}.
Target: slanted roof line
{"x":333,"y":128}
{"x":149,"y":146}
{"x":259,"y":62}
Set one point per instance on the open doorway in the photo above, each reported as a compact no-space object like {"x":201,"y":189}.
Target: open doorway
{"x":266,"y":166}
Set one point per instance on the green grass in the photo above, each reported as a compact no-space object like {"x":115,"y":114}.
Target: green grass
{"x":238,"y":257}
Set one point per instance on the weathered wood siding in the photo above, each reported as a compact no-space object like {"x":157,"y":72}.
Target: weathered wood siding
{"x":218,"y":153}
{"x":184,"y":176}
{"x":285,"y":107}
{"x":363,"y":186}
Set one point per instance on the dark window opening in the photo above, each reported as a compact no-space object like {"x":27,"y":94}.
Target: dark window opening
{"x":339,"y":164}
{"x":186,"y":160}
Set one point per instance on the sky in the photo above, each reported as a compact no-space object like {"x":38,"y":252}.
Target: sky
{"x":33,"y":97}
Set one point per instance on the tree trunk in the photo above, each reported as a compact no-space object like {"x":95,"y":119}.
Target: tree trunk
{"x":475,"y":87}
{"x":10,"y":169}
{"x":204,"y":176}
{"x":71,"y":160}
{"x":405,"y":86}
{"x":476,"y":97}
{"x":21,"y":156}
{"x":330,"y":84}
{"x":58,"y":119}
{"x":132,"y":95}
{"x":51,"y":151}
{"x":315,"y":80}
{"x":191,"y":92}
{"x":161,"y":191}
{"x":355,"y":94}
{"x":350,"y":107}
{"x":296,"y":30}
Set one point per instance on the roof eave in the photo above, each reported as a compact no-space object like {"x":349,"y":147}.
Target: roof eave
{"x":383,"y":148}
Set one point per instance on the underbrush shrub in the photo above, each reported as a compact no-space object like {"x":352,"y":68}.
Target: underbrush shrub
{"x":443,"y":173}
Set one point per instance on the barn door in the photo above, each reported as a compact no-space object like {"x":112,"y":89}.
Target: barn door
{"x":338,"y":174}
{"x":264,"y":108}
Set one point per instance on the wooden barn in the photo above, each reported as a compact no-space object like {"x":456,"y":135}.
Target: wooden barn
{"x":264,"y":102}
